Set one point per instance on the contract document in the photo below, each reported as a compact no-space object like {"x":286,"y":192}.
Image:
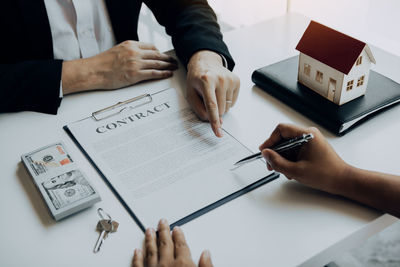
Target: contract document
{"x":163,"y":162}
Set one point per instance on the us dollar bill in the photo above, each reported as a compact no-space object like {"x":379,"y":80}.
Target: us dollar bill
{"x":67,"y":188}
{"x":63,"y":186}
{"x":47,"y":158}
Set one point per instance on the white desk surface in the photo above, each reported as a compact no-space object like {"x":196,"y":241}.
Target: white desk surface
{"x":281,"y":224}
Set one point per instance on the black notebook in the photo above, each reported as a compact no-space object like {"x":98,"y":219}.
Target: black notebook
{"x":280,"y":81}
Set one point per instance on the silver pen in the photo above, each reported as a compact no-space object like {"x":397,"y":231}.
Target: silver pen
{"x":285,"y":146}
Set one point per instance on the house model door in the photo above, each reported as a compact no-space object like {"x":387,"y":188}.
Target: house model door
{"x":331,"y":89}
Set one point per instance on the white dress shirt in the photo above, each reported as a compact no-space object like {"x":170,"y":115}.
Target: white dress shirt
{"x":79,"y":28}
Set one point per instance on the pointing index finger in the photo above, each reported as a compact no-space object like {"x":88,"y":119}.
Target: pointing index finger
{"x":210,"y":101}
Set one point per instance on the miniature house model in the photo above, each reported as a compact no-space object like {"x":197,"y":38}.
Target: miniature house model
{"x":333,"y":64}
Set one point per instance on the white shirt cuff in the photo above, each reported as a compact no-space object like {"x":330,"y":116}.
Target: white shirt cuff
{"x":61,"y":90}
{"x":224,"y":62}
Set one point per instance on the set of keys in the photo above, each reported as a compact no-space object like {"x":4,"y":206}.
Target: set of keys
{"x":105,"y":226}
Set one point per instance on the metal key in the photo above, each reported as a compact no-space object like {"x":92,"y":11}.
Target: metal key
{"x":114,"y":226}
{"x":104,"y":226}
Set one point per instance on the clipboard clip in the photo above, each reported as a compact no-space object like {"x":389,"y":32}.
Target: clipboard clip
{"x":121,"y":106}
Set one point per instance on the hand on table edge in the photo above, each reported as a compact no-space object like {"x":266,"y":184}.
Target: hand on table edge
{"x":168,"y":250}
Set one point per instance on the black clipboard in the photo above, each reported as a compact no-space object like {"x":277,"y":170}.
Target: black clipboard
{"x":147,"y":98}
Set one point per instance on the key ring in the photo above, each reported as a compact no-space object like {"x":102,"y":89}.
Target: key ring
{"x":101,"y":212}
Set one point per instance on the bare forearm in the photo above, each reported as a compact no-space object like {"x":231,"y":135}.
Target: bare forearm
{"x":378,"y":190}
{"x":125,"y":64}
{"x":77,"y":76}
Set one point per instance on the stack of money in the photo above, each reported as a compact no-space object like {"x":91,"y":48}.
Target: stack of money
{"x":64,"y":188}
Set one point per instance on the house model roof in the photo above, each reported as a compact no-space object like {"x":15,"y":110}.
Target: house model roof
{"x":331,"y":47}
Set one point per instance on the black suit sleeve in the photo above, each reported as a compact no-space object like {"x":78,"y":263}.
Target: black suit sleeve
{"x":29,"y":76}
{"x":30,"y":85}
{"x":193,"y":26}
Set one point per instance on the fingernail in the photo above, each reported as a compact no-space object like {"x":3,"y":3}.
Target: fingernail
{"x":137,"y":252}
{"x":162,"y":222}
{"x":265,"y":154}
{"x":266,"y":157}
{"x":219,"y":132}
{"x":177,"y":229}
{"x":149,"y":231}
{"x":206,"y":254}
{"x":269,"y":167}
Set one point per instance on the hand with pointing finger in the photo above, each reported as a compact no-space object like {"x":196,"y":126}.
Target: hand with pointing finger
{"x":168,"y":250}
{"x":211,"y":88}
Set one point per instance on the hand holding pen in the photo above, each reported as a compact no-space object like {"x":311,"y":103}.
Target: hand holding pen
{"x":316,"y":165}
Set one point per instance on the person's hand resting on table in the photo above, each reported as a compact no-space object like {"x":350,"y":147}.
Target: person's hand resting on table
{"x":125,"y":64}
{"x":168,"y":250}
{"x":319,"y":167}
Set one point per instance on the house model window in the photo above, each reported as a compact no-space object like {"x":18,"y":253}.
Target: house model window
{"x":359,"y":61}
{"x":319,"y":77}
{"x":350,"y":85}
{"x":360,"y":81}
{"x":307,"y":69}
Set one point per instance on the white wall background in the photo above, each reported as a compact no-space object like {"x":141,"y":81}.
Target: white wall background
{"x":239,"y":13}
{"x":374,"y":21}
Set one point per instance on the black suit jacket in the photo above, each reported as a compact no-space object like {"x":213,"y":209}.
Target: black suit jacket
{"x":30,"y":77}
